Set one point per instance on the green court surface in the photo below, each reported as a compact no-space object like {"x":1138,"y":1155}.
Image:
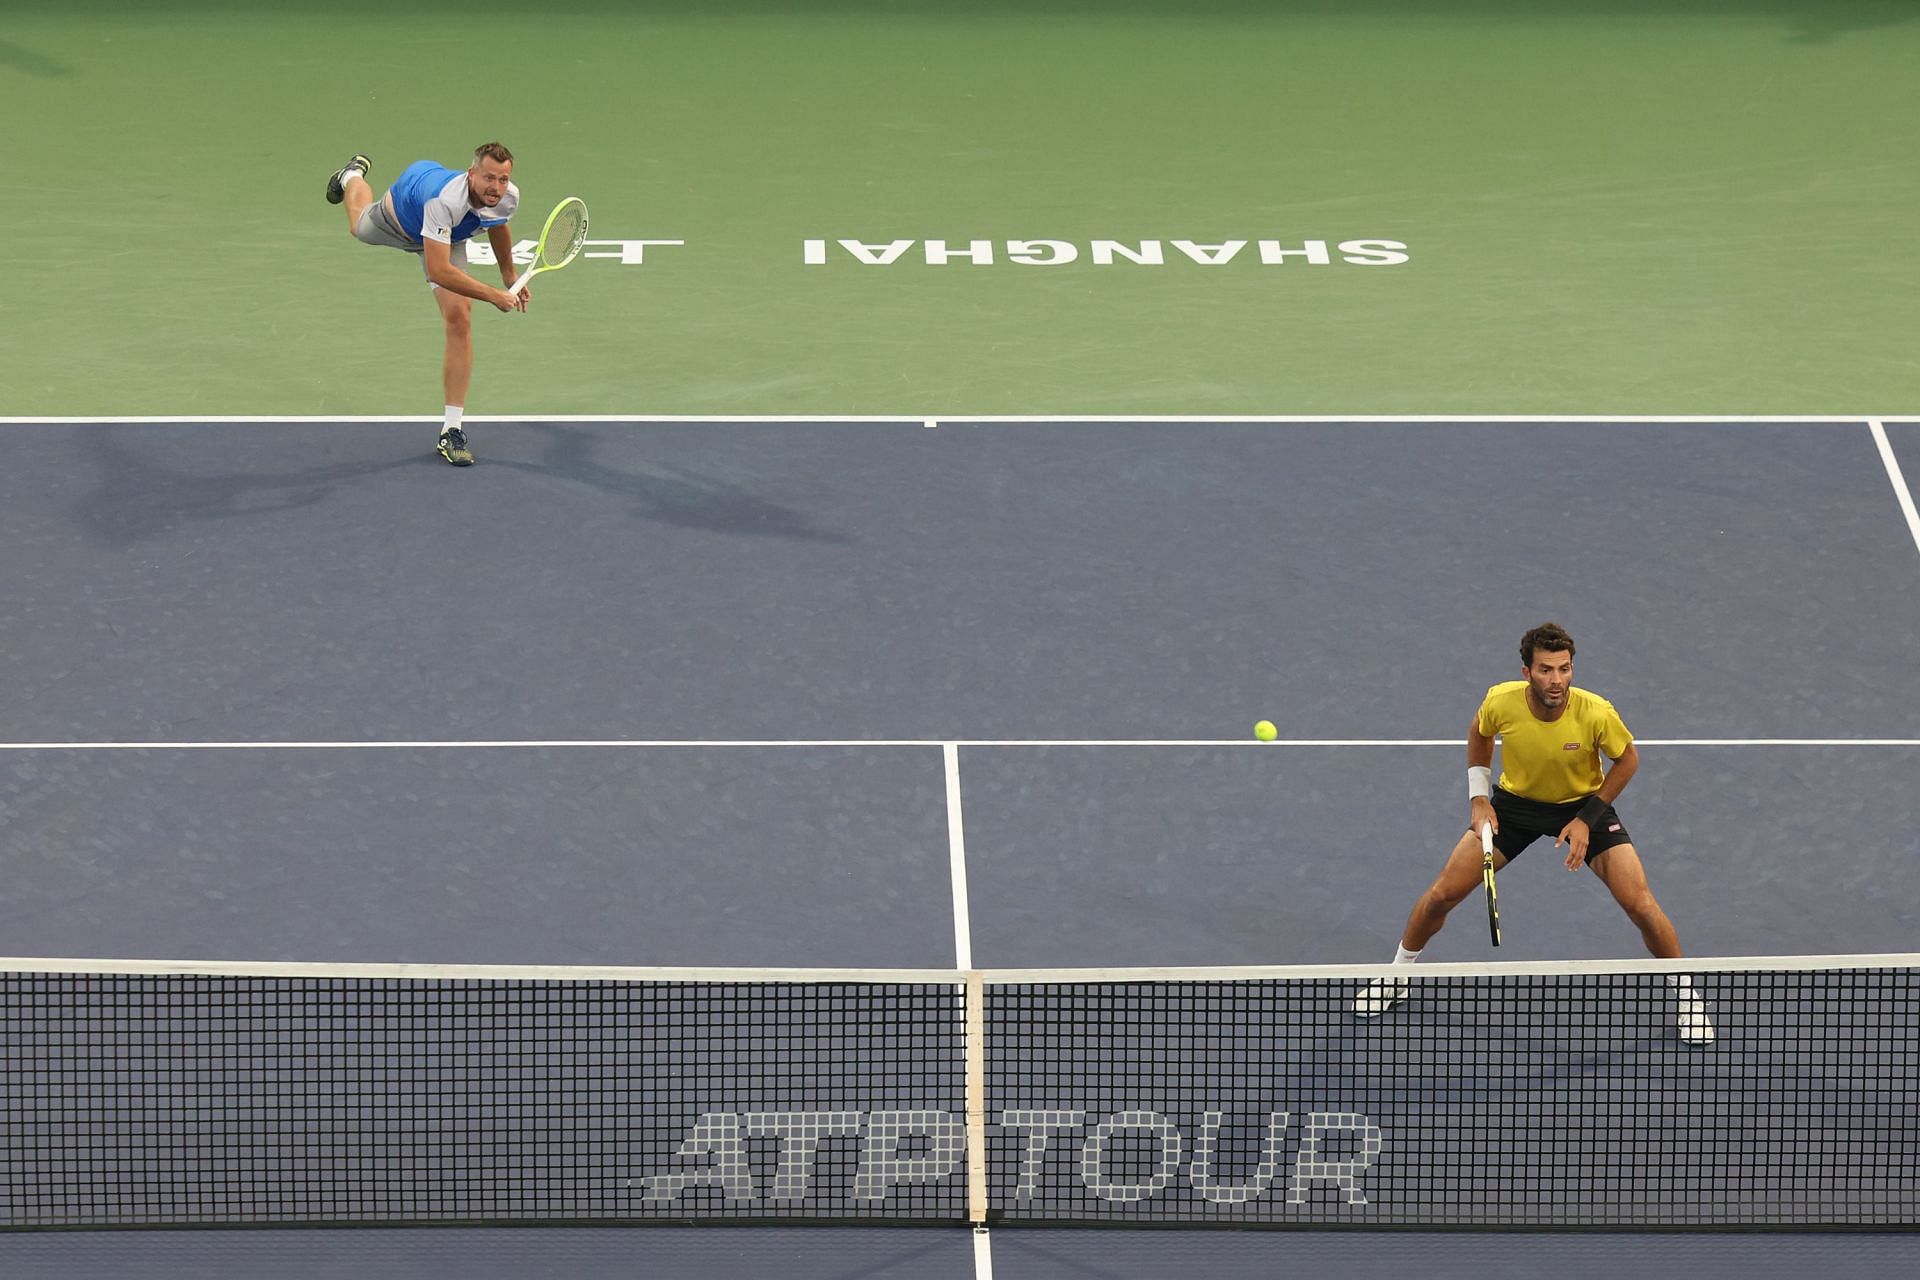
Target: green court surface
{"x":1608,"y":206}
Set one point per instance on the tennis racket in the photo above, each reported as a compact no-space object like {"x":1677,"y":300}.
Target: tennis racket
{"x":1486,"y":879}
{"x":560,"y":240}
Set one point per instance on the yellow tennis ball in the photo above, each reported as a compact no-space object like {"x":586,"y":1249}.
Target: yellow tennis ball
{"x":1265,"y":731}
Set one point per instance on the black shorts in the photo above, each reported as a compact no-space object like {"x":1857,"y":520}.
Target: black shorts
{"x":1522,"y":821}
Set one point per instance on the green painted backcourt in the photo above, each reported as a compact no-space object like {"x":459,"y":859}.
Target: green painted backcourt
{"x":1610,"y":206}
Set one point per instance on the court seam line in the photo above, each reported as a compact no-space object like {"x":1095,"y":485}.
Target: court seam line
{"x":1901,"y":493}
{"x":889,"y":743}
{"x":924,"y":420}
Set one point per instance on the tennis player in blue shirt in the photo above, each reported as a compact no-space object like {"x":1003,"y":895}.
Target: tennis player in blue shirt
{"x":433,"y":211}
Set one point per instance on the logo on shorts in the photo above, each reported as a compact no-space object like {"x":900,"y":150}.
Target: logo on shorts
{"x":1614,"y":827}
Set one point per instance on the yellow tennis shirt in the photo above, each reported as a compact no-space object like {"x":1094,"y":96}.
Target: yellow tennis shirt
{"x":1553,"y":761}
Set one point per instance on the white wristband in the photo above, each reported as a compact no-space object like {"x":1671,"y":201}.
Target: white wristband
{"x":1479,"y":782}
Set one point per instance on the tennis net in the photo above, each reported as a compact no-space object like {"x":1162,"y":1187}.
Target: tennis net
{"x":1572,"y":1094}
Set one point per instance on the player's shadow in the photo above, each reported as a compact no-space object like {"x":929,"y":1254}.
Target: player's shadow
{"x":19,"y":58}
{"x":137,"y":498}
{"x":669,"y":497}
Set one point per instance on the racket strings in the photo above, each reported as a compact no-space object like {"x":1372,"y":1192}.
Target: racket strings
{"x":565,"y":235}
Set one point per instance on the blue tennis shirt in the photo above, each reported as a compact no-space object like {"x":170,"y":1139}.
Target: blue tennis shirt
{"x":431,"y":203}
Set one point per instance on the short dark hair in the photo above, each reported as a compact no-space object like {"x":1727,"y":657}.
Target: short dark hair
{"x":496,"y":151}
{"x":1550,"y":636}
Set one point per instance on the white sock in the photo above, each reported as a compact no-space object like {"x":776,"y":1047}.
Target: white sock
{"x":1403,"y":956}
{"x":453,"y":416}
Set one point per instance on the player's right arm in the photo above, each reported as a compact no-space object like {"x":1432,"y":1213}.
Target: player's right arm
{"x":441,"y":271}
{"x":1479,"y":756}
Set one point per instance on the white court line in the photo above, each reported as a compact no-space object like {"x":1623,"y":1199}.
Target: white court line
{"x":957,"y":860}
{"x":1900,"y":490}
{"x":560,"y":744}
{"x":982,"y":1255}
{"x":1289,"y":419}
{"x":924,"y":419}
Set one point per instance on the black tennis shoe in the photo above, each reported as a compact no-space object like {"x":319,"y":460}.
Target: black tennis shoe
{"x":453,"y":447}
{"x":337,"y":184}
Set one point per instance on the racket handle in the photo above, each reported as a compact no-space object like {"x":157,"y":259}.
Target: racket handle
{"x":519,"y":285}
{"x":1486,"y":838}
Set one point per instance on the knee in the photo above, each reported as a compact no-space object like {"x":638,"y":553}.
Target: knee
{"x":459,"y":327}
{"x":1442,"y":898}
{"x":1641,"y":907}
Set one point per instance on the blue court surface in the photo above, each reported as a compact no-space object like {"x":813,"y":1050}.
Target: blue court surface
{"x":697,"y":693}
{"x":842,"y":1253}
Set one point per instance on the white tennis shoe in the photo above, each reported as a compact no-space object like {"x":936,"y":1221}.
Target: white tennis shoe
{"x":1379,"y":996}
{"x":1695,"y":1026}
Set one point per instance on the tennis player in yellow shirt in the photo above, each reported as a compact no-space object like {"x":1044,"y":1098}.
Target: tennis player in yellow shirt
{"x":1552,"y":739}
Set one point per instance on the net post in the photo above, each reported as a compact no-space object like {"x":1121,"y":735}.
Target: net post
{"x":976,"y":1047}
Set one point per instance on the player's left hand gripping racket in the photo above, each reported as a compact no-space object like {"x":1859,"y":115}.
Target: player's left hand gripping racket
{"x":1486,"y":879}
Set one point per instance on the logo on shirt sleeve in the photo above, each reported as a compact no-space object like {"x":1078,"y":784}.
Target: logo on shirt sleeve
{"x":1570,"y":746}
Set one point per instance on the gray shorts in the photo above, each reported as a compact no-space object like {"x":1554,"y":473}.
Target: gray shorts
{"x":376,"y":226}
